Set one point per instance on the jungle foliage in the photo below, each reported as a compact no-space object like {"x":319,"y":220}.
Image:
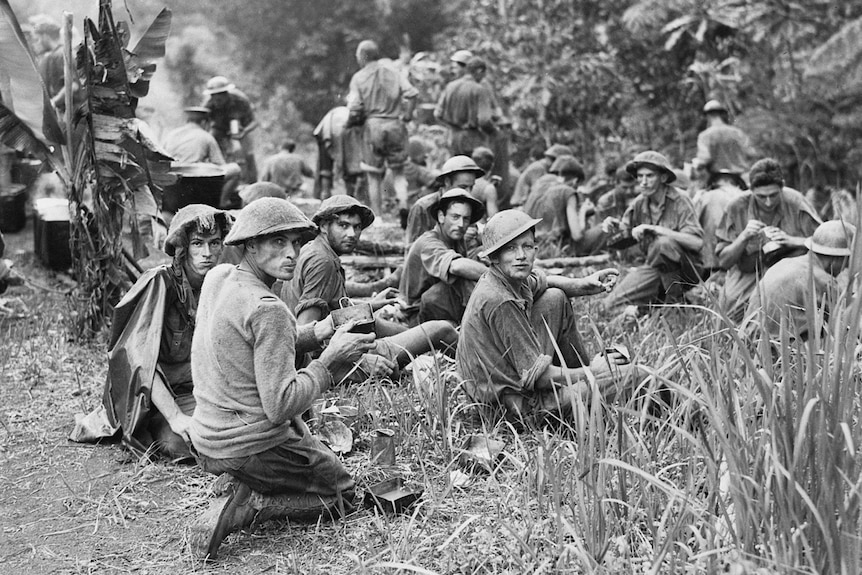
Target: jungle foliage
{"x":608,"y":77}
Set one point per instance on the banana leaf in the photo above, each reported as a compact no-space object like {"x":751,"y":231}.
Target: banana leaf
{"x":22,"y":91}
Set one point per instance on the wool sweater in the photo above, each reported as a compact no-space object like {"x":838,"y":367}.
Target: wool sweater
{"x":243,"y":351}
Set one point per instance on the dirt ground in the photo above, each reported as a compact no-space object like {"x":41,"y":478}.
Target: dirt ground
{"x":77,"y":508}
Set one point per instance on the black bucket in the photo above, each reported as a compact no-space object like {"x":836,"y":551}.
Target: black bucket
{"x":13,"y":199}
{"x":196,"y":184}
{"x":51,"y":231}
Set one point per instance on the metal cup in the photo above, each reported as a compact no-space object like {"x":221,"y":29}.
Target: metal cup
{"x":383,"y":447}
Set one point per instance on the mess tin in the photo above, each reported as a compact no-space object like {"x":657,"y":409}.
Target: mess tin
{"x":391,"y":496}
{"x":620,"y":349}
{"x":361,"y":312}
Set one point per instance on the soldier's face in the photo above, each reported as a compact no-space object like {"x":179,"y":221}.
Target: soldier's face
{"x":204,"y":251}
{"x":515,"y":259}
{"x":275,"y":255}
{"x":343,"y":232}
{"x":464,"y":180}
{"x":649,"y":181}
{"x":455,"y":221}
{"x":767,"y":198}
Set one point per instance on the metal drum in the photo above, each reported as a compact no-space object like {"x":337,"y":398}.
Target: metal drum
{"x":196,"y":184}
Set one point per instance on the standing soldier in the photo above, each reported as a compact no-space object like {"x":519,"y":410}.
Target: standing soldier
{"x":467,"y":107}
{"x":383,"y":100}
{"x":232,"y":123}
{"x":286,"y":169}
{"x":722,"y":148}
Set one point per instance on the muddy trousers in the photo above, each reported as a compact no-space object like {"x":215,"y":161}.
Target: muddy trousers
{"x":300,"y":478}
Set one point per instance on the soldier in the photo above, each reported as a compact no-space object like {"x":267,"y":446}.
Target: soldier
{"x":663,"y":222}
{"x":382,"y":99}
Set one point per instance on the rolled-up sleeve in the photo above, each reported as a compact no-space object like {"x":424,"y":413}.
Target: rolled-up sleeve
{"x":437,"y":258}
{"x":322,"y":284}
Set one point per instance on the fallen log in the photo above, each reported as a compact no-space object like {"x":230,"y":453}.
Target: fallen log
{"x":378,"y":248}
{"x":368,"y":262}
{"x":359,"y":261}
{"x":574,"y":262}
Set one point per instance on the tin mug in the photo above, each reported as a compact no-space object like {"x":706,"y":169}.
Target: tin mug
{"x":383,"y":447}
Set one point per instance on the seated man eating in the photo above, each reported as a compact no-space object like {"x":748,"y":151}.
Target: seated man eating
{"x":319,"y":285}
{"x":517,"y":319}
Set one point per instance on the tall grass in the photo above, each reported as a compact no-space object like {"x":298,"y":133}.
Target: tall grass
{"x":754,"y":466}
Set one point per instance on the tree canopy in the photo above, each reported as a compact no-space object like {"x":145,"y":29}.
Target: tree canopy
{"x":605,"y":76}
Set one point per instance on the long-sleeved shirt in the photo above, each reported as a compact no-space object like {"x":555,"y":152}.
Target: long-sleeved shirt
{"x":247,"y":388}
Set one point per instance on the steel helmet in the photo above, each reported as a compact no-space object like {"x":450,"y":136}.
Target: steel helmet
{"x":503,"y":227}
{"x":459,"y":164}
{"x":714,"y":106}
{"x":194,"y":216}
{"x":268,"y":216}
{"x":340,"y":203}
{"x":832,"y":238}
{"x":462,"y":195}
{"x":218,"y":84}
{"x":461,"y":57}
{"x":260,"y":190}
{"x":654,"y":160}
{"x":557,"y":150}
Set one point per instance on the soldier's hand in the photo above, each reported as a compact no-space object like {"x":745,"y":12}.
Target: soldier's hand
{"x":180,"y":424}
{"x":753,"y":228}
{"x":388,"y":295}
{"x":376,"y":365}
{"x":774,"y":234}
{"x":347,"y":347}
{"x":640,"y":231}
{"x":605,"y":279}
{"x":610,"y":224}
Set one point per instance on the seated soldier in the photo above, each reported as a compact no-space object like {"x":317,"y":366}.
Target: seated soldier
{"x":148,"y":391}
{"x":8,"y":276}
{"x":562,"y":210}
{"x":760,"y":227}
{"x":250,"y":396}
{"x":485,"y":188}
{"x":438,"y":276}
{"x":613,"y":204}
{"x":537,"y":169}
{"x":784,"y":296}
{"x":319,"y":285}
{"x":662,"y":221}
{"x":457,"y":172}
{"x":518,"y":318}
{"x":711,"y":204}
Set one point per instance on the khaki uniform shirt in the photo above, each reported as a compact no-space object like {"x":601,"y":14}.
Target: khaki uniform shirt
{"x":498,"y":351}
